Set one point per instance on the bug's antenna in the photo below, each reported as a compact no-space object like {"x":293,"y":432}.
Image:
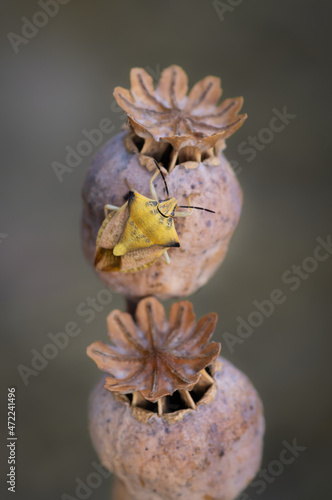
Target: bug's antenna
{"x":197,"y":208}
{"x":162,"y":175}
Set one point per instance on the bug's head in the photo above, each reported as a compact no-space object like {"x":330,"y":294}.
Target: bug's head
{"x":167,"y":207}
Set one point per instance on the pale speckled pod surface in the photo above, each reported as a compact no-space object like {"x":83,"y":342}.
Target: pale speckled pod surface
{"x":204,"y":237}
{"x":212,"y":454}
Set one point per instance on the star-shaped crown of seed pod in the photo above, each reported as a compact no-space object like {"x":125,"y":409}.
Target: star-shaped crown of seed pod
{"x":167,"y":114}
{"x":156,"y":356}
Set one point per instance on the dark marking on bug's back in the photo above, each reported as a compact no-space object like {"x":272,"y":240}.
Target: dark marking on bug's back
{"x":131,"y":196}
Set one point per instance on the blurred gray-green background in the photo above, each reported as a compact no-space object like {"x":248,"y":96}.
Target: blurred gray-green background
{"x":60,"y":81}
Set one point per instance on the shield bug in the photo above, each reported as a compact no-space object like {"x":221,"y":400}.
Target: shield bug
{"x":134,"y":236}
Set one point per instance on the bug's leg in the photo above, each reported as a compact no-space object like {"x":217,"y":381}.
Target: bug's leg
{"x":152,"y":188}
{"x":166,"y":256}
{"x":185,"y":214}
{"x":109,"y":208}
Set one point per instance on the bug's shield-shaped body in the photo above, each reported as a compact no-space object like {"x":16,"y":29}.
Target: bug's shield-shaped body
{"x":136,"y":235}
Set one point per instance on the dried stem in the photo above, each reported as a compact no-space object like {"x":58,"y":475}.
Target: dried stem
{"x":119,"y":491}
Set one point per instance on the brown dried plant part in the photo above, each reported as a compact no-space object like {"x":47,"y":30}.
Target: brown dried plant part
{"x":204,"y":237}
{"x":191,"y":124}
{"x":212,"y":453}
{"x":156,"y":356}
{"x":173,"y":408}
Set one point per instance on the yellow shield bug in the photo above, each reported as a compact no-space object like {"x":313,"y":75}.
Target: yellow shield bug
{"x":134,"y":236}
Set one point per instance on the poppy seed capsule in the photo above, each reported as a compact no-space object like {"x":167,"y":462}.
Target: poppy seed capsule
{"x":211,"y":453}
{"x":204,"y":237}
